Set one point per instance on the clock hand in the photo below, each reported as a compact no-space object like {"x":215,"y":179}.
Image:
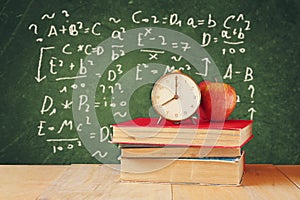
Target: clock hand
{"x":174,"y":98}
{"x":168,"y":101}
{"x":175,"y":95}
{"x":176,"y":85}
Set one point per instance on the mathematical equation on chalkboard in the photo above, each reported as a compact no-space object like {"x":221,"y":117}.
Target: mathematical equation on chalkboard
{"x":87,"y":74}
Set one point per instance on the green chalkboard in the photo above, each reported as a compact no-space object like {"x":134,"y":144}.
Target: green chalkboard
{"x":71,"y":69}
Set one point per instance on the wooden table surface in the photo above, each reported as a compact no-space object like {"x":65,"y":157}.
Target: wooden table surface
{"x":102,"y":182}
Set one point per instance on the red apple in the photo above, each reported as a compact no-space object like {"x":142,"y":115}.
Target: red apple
{"x":218,"y":101}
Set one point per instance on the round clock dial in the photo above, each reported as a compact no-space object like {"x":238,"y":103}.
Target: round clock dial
{"x":175,"y":96}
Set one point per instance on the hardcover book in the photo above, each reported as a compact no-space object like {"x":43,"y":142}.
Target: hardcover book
{"x":147,"y":131}
{"x":205,"y":171}
{"x":138,"y":151}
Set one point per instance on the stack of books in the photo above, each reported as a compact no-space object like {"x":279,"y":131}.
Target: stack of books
{"x":202,"y":152}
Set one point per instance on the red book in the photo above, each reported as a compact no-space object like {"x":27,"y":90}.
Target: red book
{"x":147,"y":131}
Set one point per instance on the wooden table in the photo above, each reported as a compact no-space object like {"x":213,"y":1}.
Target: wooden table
{"x":102,"y":182}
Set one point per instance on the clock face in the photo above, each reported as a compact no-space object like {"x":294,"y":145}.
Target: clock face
{"x":175,"y":96}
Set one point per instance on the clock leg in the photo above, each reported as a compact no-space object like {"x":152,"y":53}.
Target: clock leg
{"x":193,"y":119}
{"x":159,"y":120}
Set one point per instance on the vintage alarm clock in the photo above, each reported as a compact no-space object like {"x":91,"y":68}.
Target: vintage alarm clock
{"x":175,"y":96}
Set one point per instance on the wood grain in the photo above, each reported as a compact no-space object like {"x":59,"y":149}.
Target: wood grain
{"x":267,"y":182}
{"x":260,"y":182}
{"x":292,"y":172}
{"x":103,"y":182}
{"x":26,"y":181}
